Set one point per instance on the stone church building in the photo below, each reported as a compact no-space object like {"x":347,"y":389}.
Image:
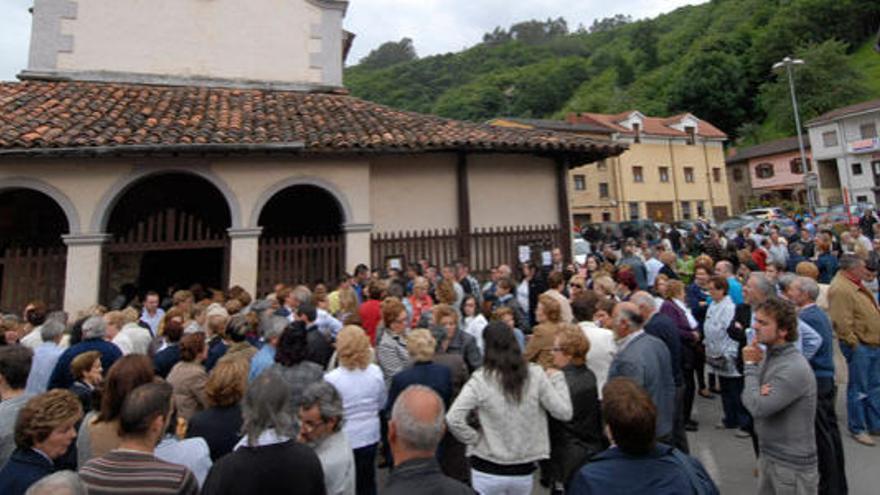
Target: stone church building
{"x":153,"y":144}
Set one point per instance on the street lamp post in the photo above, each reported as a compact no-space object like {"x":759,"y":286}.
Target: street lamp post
{"x":787,"y":63}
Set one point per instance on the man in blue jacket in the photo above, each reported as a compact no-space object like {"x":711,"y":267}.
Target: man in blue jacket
{"x":635,"y":462}
{"x":94,"y":329}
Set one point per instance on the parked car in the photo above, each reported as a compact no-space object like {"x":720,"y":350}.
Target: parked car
{"x":766,"y":213}
{"x":731,"y":225}
{"x":635,"y":229}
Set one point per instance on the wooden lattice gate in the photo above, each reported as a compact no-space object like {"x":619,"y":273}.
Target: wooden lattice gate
{"x":164,"y":230}
{"x":300,"y":260}
{"x":32,"y":273}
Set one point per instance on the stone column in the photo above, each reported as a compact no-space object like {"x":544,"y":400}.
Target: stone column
{"x":244,"y":250}
{"x":82,"y":281}
{"x":357,"y":244}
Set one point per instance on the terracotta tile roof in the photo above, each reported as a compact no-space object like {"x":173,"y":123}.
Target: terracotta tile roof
{"x":556,"y":125}
{"x":776,"y":147}
{"x":865,"y":106}
{"x":658,"y":126}
{"x":36,"y":115}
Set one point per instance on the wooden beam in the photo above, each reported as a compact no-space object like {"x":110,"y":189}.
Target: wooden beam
{"x":564,"y":213}
{"x":464,"y":208}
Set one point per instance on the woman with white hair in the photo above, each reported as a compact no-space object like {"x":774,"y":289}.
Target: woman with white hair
{"x":268,"y":460}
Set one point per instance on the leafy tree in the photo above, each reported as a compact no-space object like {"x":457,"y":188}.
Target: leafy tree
{"x":711,"y":87}
{"x":390,"y":53}
{"x":609,"y":23}
{"x":823,"y":83}
{"x":644,"y":42}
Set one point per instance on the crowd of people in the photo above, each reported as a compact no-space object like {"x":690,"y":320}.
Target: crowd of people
{"x":580,"y":378}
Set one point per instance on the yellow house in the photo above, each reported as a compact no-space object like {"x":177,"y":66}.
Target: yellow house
{"x":673,"y":170}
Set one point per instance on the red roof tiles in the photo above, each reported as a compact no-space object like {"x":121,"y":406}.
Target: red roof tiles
{"x":82,"y":115}
{"x":658,"y":126}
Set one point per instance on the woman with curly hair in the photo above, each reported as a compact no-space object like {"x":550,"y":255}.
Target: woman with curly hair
{"x":220,"y":423}
{"x":362,"y":388}
{"x":45,"y":428}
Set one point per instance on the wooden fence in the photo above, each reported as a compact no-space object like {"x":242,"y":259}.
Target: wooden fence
{"x":488,"y":246}
{"x":300,"y":260}
{"x":31,"y":273}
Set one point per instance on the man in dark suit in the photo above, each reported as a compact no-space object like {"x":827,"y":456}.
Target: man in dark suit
{"x":661,"y":326}
{"x":646,"y":360}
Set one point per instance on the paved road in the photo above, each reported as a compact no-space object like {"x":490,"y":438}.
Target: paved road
{"x":731,"y":461}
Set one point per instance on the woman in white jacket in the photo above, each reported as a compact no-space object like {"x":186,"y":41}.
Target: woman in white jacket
{"x":722,"y":350}
{"x":512,"y":399}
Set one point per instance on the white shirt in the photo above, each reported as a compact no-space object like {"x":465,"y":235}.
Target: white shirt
{"x":33,"y":339}
{"x":191,"y":452}
{"x":123,"y":342}
{"x":139,"y":337}
{"x":326,"y":323}
{"x":653,"y":266}
{"x":522,"y":295}
{"x":154,"y":320}
{"x":363,"y":396}
{"x":601,"y":353}
{"x":474,"y":325}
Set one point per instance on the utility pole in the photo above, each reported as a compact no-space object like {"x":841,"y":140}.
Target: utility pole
{"x":787,"y":63}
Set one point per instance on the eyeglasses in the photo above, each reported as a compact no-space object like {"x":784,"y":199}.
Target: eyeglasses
{"x":577,"y":286}
{"x":311,"y":426}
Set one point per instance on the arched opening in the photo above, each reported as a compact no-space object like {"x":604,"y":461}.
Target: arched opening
{"x":302,"y":239}
{"x":33,"y":258}
{"x":168,"y":232}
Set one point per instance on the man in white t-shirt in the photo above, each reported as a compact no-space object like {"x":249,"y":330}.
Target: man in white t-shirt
{"x":602,"y":344}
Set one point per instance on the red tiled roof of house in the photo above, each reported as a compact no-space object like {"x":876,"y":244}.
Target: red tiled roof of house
{"x":658,"y":126}
{"x":82,"y":115}
{"x":769,"y":148}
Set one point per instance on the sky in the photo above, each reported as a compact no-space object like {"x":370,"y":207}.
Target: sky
{"x":435,"y":26}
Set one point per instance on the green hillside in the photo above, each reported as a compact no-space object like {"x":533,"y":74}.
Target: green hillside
{"x":713,"y":60}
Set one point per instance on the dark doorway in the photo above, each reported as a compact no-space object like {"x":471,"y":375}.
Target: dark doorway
{"x":168,"y":232}
{"x":302,"y":239}
{"x":163,"y":269}
{"x":33,"y":258}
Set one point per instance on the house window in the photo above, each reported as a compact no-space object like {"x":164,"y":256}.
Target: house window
{"x":829,"y":139}
{"x":638,"y":174}
{"x":601,"y":165}
{"x":638,"y":130}
{"x":664,"y":174}
{"x":737,"y":174}
{"x":580,"y":183}
{"x":606,"y":216}
{"x":634,"y":211}
{"x":868,"y":130}
{"x":701,"y":209}
{"x":692,"y":135}
{"x":689,"y":174}
{"x":796,"y":166}
{"x":716,"y":174}
{"x":857,"y":169}
{"x":603,"y":189}
{"x":764,"y":171}
{"x":685,"y":210}
{"x":861,"y":199}
{"x":581,"y":219}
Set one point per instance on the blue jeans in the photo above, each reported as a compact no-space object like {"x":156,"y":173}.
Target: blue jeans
{"x":863,"y":389}
{"x":735,"y":414}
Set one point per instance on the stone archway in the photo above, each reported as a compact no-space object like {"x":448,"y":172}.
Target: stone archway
{"x":33,"y":258}
{"x":302,"y":239}
{"x":167,"y":231}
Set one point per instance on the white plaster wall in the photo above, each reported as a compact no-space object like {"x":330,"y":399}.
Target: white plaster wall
{"x":414,"y":192}
{"x":83,"y":181}
{"x":240,"y":39}
{"x":249,"y":180}
{"x":512,"y":190}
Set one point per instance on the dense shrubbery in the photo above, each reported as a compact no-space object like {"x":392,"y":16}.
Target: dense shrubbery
{"x":712,"y":60}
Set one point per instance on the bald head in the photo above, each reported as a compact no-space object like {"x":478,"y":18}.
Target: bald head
{"x":724,"y":268}
{"x":417,"y":420}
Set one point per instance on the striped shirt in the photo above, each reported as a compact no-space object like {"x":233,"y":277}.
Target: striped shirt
{"x":136,"y":473}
